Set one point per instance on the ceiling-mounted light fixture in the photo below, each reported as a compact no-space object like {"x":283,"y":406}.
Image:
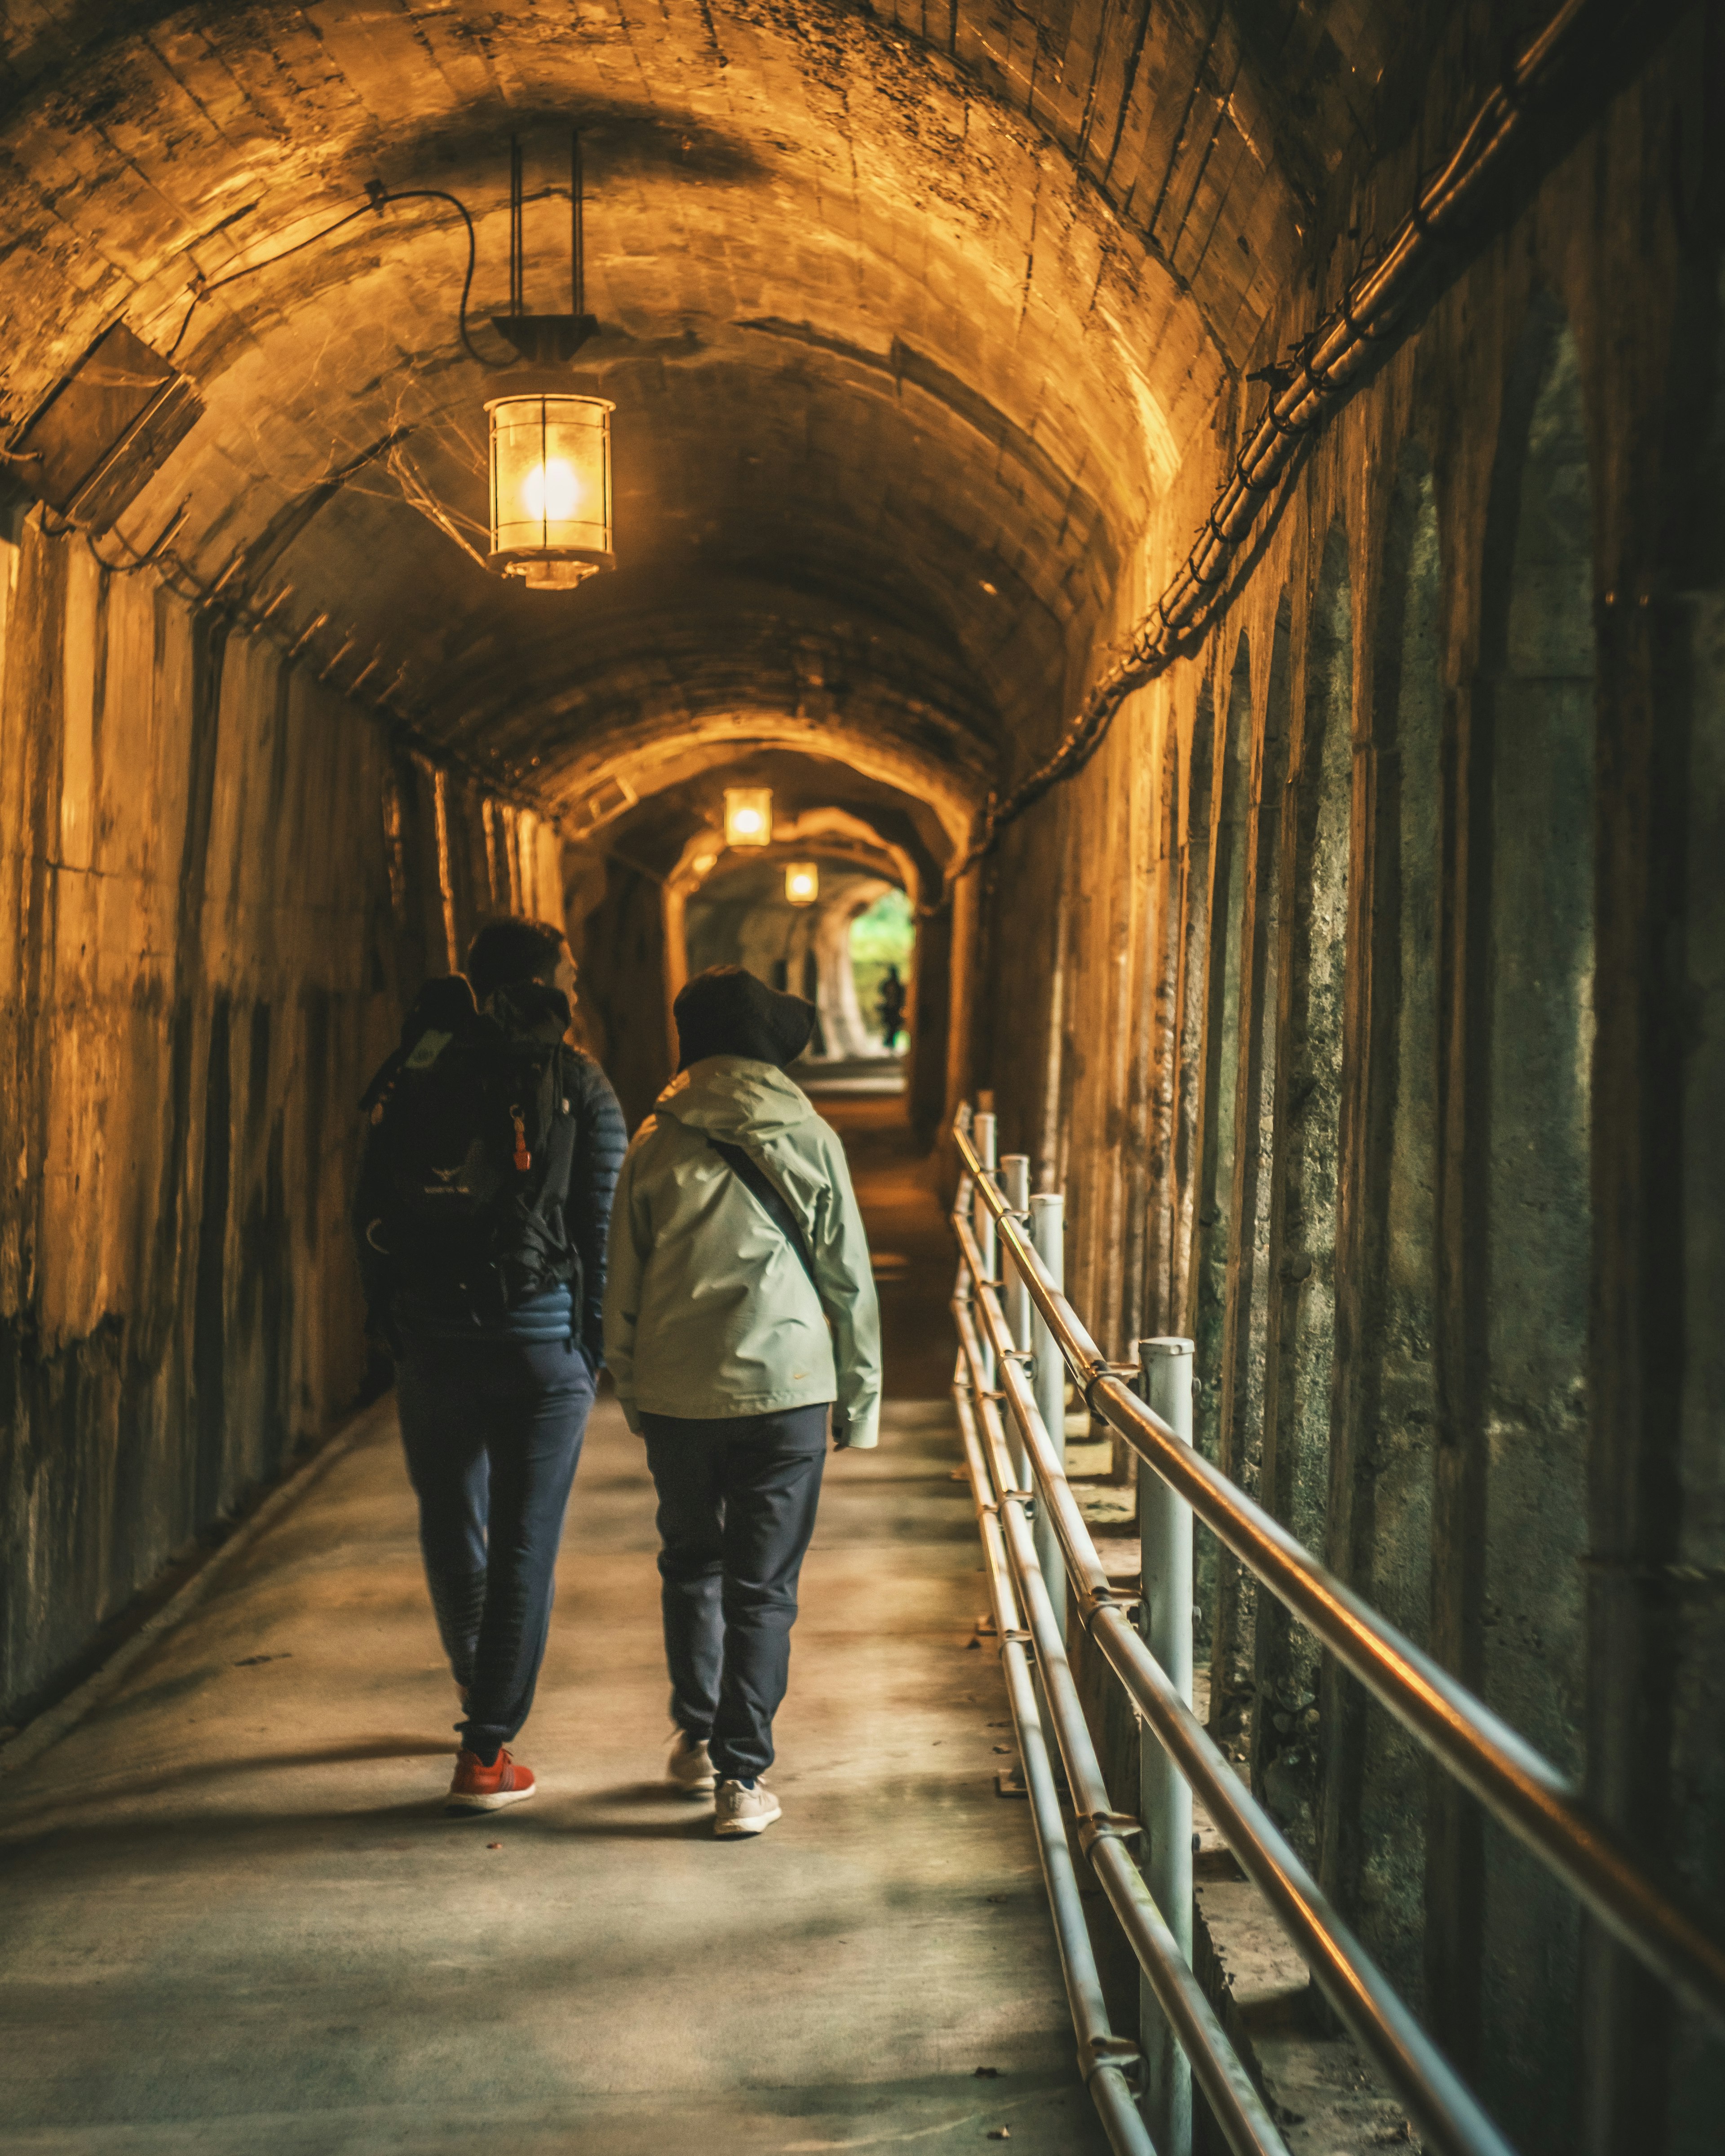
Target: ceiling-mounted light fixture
{"x":550,"y":455}
{"x":802,"y":882}
{"x":748,"y":815}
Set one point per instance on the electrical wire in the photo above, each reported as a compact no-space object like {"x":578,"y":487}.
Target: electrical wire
{"x":151,"y":553}
{"x":375,"y":205}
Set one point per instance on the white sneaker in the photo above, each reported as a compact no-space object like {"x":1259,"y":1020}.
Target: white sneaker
{"x":740,"y":1811}
{"x":689,"y":1769}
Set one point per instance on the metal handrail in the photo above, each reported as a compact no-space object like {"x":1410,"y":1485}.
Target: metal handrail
{"x":1441,"y":2103}
{"x":1103,"y":2059}
{"x":1234,"y":2101}
{"x":1515,"y":1782}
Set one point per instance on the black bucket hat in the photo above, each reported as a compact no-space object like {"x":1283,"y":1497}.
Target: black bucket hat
{"x":725,"y":1011}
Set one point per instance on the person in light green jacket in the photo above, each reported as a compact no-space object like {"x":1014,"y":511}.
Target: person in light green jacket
{"x":739,"y":1309}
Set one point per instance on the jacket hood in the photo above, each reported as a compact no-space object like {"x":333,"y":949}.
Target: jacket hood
{"x":732,"y":1096}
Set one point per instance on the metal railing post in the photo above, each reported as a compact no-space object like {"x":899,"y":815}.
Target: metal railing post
{"x":982,"y":1131}
{"x":1528,"y":1796}
{"x":1048,"y":1235}
{"x":1015,"y":1294}
{"x":1165,"y":1619}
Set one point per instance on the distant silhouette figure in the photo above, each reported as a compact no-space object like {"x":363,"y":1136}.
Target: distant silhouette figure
{"x":890,"y":1007}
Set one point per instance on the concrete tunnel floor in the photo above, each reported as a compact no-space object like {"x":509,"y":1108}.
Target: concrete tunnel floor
{"x":236,"y":1917}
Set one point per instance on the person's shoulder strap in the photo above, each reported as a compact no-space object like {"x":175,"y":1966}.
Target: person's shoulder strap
{"x":771,"y":1200}
{"x":565,"y":1136}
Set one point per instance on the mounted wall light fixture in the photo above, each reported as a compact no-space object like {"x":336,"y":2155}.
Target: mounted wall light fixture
{"x":103,"y":431}
{"x":802,"y":882}
{"x":748,"y":815}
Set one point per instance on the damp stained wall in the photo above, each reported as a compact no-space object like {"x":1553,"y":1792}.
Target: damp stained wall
{"x":1444,"y":1093}
{"x":217,"y":884}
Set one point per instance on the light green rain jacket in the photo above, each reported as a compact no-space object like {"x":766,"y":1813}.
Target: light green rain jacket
{"x":709,"y":1312}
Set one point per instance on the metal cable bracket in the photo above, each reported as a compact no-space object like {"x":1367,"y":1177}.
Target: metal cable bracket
{"x":1119,"y":2052}
{"x":1107,"y":1826}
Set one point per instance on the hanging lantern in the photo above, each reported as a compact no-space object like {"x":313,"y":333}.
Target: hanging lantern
{"x":802,"y":882}
{"x":748,"y":815}
{"x":551,"y":489}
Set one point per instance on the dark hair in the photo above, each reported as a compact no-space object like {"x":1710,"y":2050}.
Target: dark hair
{"x":509,"y":947}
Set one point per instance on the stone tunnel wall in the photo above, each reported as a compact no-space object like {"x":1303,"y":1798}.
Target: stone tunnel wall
{"x":215,"y":882}
{"x":1360,"y":996}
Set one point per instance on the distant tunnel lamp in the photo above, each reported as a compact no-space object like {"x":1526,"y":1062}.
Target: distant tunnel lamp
{"x":802,"y":882}
{"x":748,"y":816}
{"x":551,"y":489}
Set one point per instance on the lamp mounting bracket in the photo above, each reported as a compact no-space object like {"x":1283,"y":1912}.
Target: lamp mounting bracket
{"x":546,"y":340}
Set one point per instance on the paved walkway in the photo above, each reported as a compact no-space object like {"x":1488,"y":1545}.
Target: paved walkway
{"x":235,"y":1918}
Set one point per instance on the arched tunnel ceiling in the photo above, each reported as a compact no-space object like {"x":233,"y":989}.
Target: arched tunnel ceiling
{"x":905,"y":332}
{"x":822,"y":805}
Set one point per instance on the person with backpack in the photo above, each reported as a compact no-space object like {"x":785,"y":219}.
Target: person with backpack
{"x":480,"y":1217}
{"x":739,"y":1308}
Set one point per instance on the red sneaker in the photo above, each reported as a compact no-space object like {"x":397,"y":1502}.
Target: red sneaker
{"x":478,"y":1787}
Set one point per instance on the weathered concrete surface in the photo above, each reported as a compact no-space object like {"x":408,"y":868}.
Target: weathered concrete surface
{"x":216,"y":881}
{"x":1502,"y":1123}
{"x":930,"y":338}
{"x":238,"y":1919}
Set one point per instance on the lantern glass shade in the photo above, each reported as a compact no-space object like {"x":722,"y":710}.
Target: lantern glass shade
{"x":802,"y":882}
{"x":551,"y":489}
{"x":748,"y":815}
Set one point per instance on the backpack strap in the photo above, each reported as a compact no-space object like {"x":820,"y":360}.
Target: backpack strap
{"x":560,"y":1146}
{"x":772,"y":1201}
{"x":547,"y":1222}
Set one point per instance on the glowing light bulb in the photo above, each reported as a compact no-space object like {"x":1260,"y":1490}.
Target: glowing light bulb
{"x":802,"y":883}
{"x":550,"y":491}
{"x":748,"y":816}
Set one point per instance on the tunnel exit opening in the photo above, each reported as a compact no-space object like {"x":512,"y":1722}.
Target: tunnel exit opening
{"x":840,"y":949}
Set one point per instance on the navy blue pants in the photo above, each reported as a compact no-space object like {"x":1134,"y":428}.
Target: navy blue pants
{"x":492,"y":1429}
{"x":736,"y":1505}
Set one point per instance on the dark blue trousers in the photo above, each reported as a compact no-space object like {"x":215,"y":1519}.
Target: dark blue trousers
{"x":492,"y":1429}
{"x":736,"y":1506}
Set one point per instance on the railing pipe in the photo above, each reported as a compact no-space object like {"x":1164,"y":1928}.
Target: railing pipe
{"x":1234,"y":2101}
{"x":1048,"y":1233}
{"x":986,"y":1205}
{"x":1103,"y":2058}
{"x":1444,"y":2109}
{"x":1015,"y":1296}
{"x":981,"y":1320}
{"x":1520,"y":1789}
{"x":1165,"y":1619}
{"x":1442,"y":2106}
{"x":1015,"y":1190}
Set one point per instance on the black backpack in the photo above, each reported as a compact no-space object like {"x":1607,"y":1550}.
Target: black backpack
{"x":474,"y":1130}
